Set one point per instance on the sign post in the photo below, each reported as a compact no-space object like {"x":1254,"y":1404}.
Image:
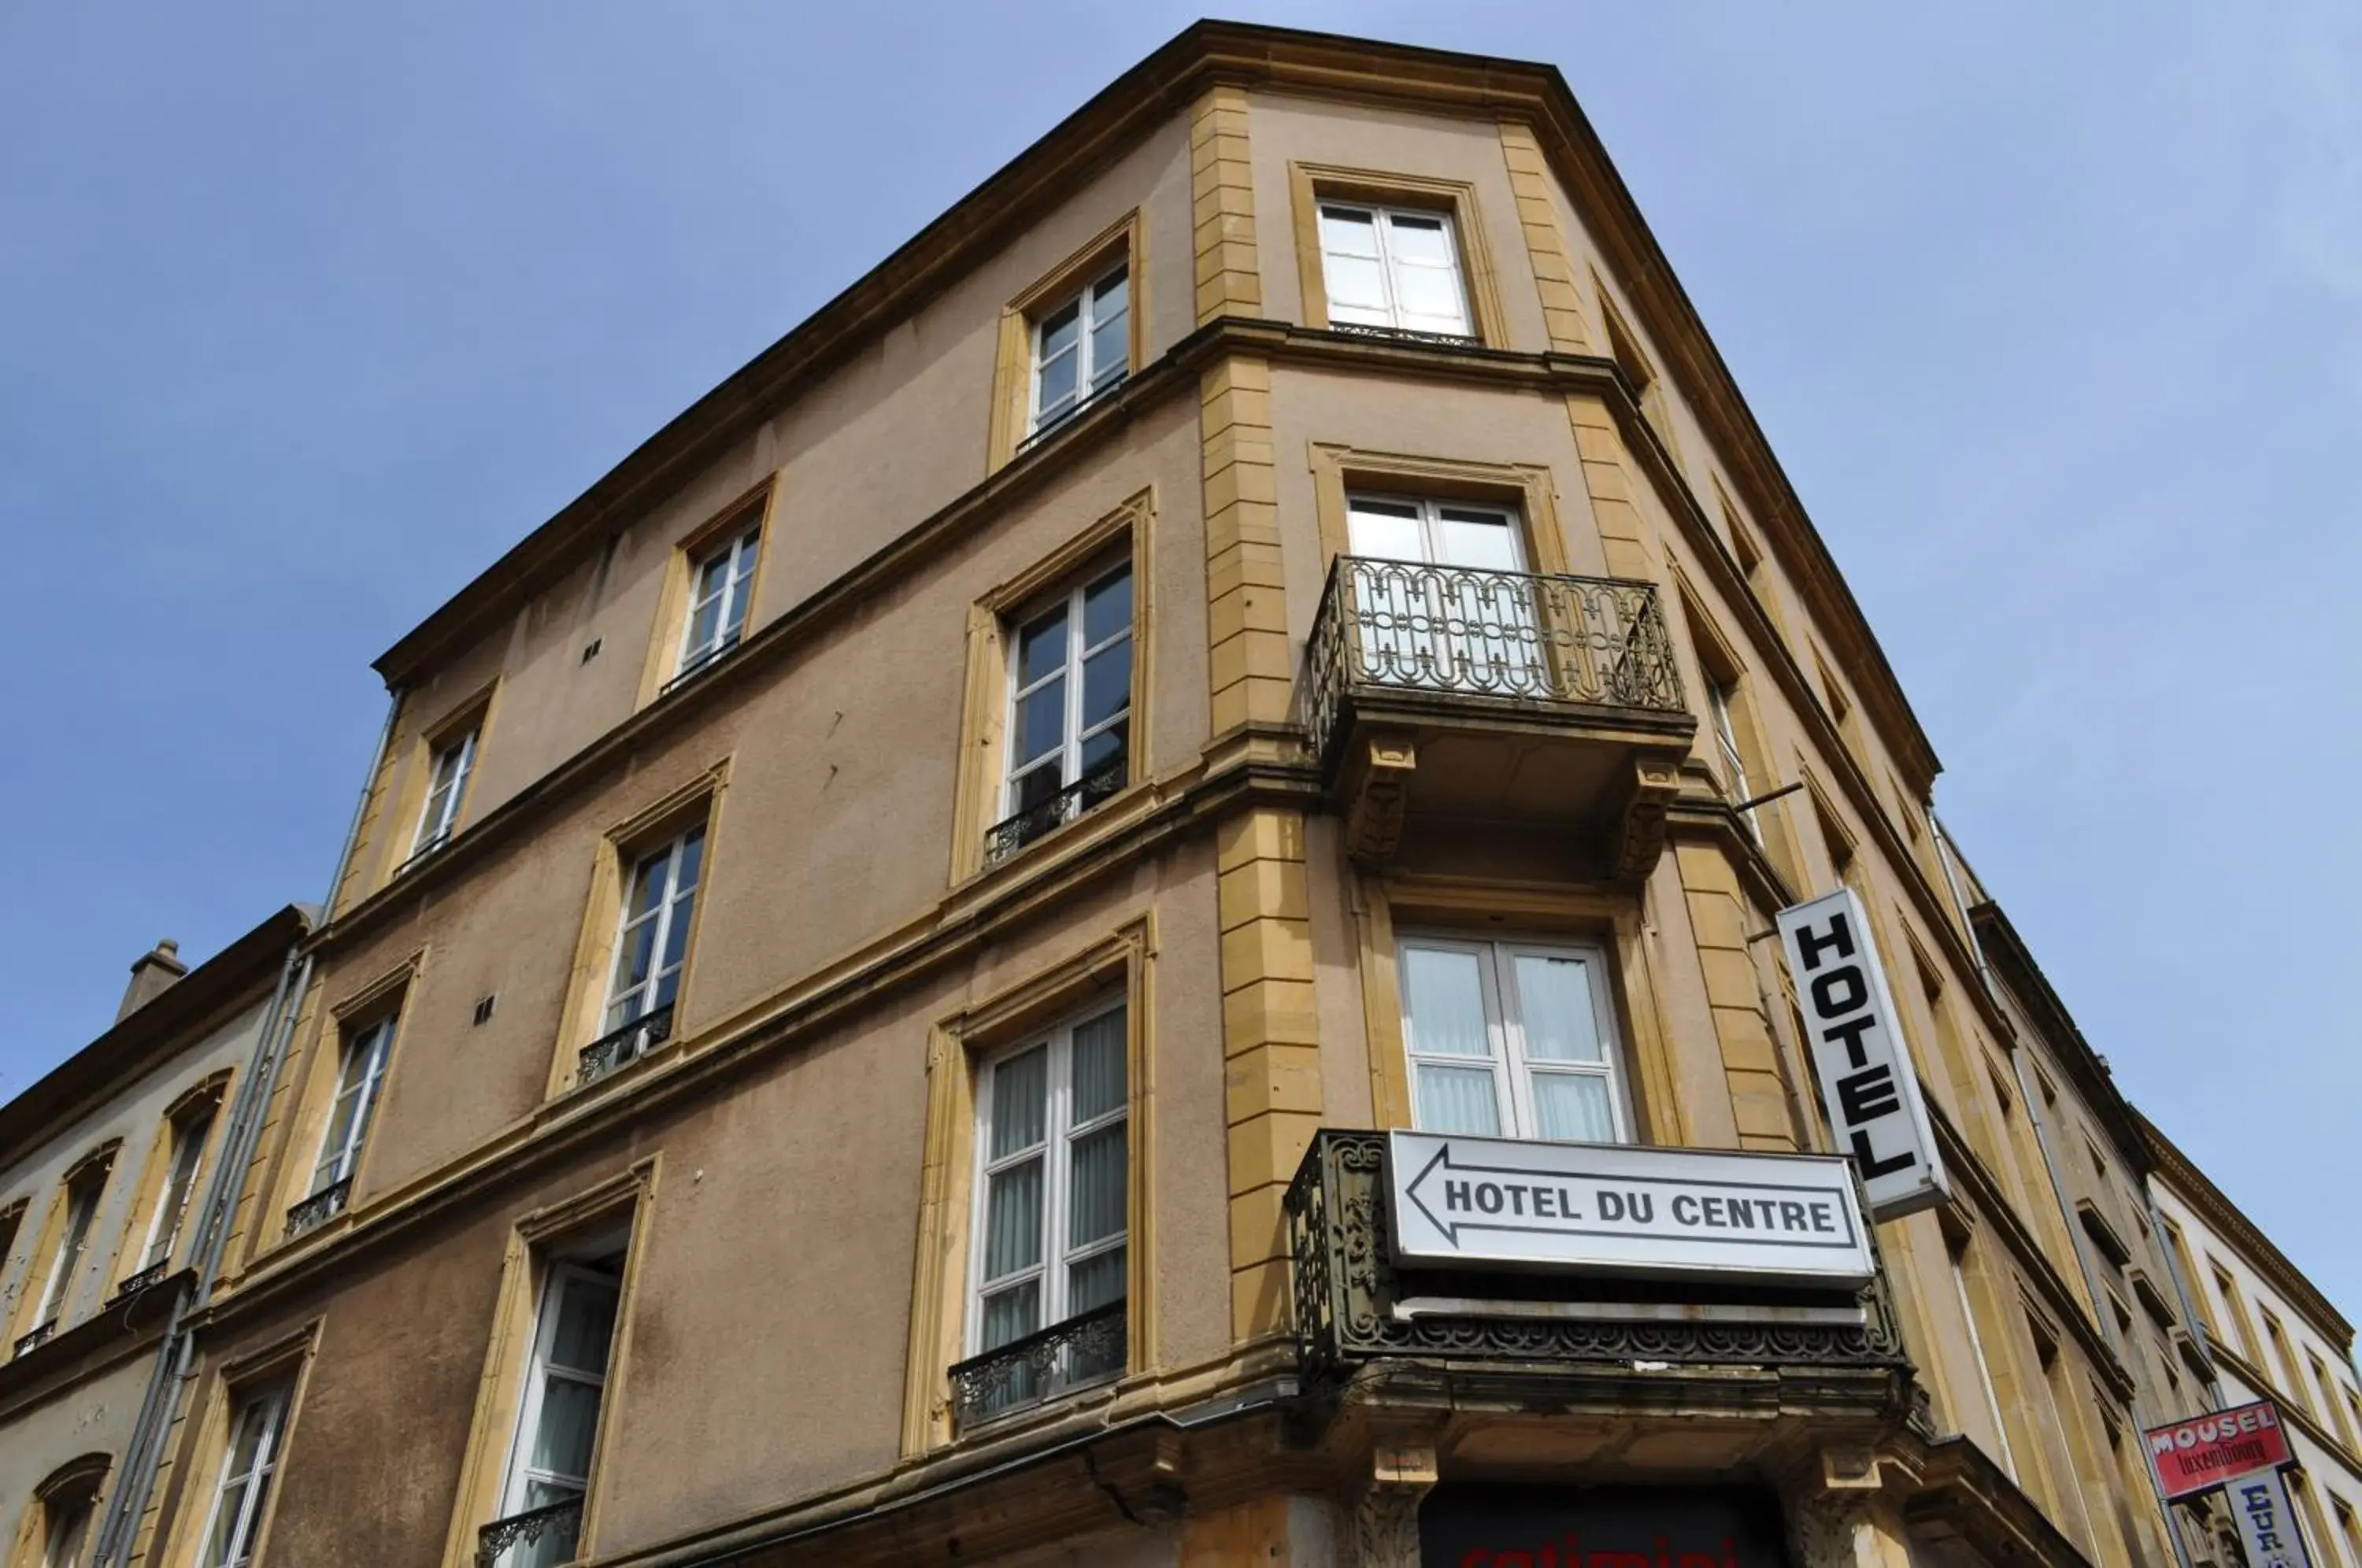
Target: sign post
{"x":1866,"y":1076}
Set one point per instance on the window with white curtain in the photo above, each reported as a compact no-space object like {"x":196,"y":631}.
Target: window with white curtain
{"x":1082,"y":348}
{"x":721,"y":582}
{"x":558,"y":1420}
{"x":1054,"y":1183}
{"x":1512,"y":1039}
{"x":1392,"y":267}
{"x":358,"y":1076}
{"x":258,"y":1428}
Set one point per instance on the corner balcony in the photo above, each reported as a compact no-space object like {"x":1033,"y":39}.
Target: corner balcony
{"x":1442,"y":694}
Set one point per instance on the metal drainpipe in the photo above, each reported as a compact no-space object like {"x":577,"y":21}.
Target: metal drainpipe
{"x":143,"y":1455}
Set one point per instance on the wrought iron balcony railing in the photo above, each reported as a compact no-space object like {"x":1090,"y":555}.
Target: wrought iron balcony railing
{"x":1406,"y":335}
{"x":1009,"y":835}
{"x":1052,"y":424}
{"x":153,"y":1274}
{"x":319,"y":1209}
{"x":698,"y":663}
{"x":635,"y":1039}
{"x":1085,"y":1348}
{"x":40,"y":1336}
{"x":538,"y":1538}
{"x":1405,"y":628}
{"x":1354,"y":1304}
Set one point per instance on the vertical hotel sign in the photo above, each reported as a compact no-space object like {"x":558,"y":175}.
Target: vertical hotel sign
{"x":1859,"y":1055}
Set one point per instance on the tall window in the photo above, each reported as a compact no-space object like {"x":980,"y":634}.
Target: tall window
{"x":358,"y":1076}
{"x":65,"y":1526}
{"x":257,"y":1431}
{"x":83,"y":1190}
{"x":190,"y":1131}
{"x":1389,"y":268}
{"x":557,"y":1422}
{"x":653,"y":944}
{"x":1512,"y":1039}
{"x":1082,"y":348}
{"x":720,"y":584}
{"x":1720,"y":695}
{"x":1053,"y":1195}
{"x":1070,"y":712}
{"x":447,"y":785}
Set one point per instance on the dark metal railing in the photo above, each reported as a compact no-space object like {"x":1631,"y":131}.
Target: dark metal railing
{"x":1049,"y":427}
{"x":1006,"y":837}
{"x":319,"y":1209}
{"x":1405,"y":334}
{"x":699,"y":663}
{"x":424,"y":853}
{"x":153,"y":1274}
{"x":40,"y":1336}
{"x":555,"y":1528}
{"x":610,"y":1051}
{"x":1085,"y":1348}
{"x":1518,"y":637}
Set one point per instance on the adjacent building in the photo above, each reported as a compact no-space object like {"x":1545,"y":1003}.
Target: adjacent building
{"x":867,"y":1008}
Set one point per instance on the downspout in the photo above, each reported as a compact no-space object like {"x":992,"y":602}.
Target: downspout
{"x":144,"y":1453}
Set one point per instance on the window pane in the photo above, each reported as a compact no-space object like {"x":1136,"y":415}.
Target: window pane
{"x":1095,"y":1282}
{"x":634,"y":963}
{"x":1106,"y":608}
{"x":253,"y":1425}
{"x":677,"y":931}
{"x":1481,"y":539}
{"x":1020,"y":1099}
{"x":1357,"y":291}
{"x":1106,"y":683}
{"x":1110,"y":352}
{"x":340,"y":1136}
{"x":704,"y":625}
{"x":1105,"y":747}
{"x":692,"y":858}
{"x":1443,"y":994}
{"x":1431,"y":294}
{"x":1111,"y":293}
{"x":570,"y":1422}
{"x":1060,"y":328}
{"x":221,"y":1546}
{"x":1039,"y":785}
{"x":1347,"y":232}
{"x":1572,"y":1104}
{"x":648,"y":882}
{"x":1458,"y":1099}
{"x":1041,"y":720}
{"x":1041,"y":647}
{"x":586,"y":1322}
{"x":1099,"y":1066}
{"x":1055,"y":388}
{"x":1555,"y":1003}
{"x":1013,"y":1219}
{"x":1386,"y":530}
{"x":1012,"y":1314}
{"x":68,"y":1524}
{"x":1095,"y":1195}
{"x":1418,"y":240}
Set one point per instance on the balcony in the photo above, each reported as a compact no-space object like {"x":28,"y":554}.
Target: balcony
{"x":538,"y":1537}
{"x":318,"y":1209}
{"x":1009,"y":835}
{"x":1358,"y":1302}
{"x":1453,"y":694}
{"x":1085,"y":1348}
{"x":41,"y":1334}
{"x":634,"y":1040}
{"x":146,"y":1279}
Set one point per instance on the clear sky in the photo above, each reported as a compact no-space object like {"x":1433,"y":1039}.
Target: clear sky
{"x":2052,"y":313}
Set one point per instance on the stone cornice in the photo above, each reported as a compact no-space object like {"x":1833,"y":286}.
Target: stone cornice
{"x":2176,"y":1171}
{"x":2291,"y":1410}
{"x":2007,"y":951}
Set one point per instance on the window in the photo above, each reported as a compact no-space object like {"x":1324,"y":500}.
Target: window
{"x":190,"y":1131}
{"x":1082,"y":349}
{"x":359,"y":1074}
{"x":2234,"y":1312}
{"x":1719,"y":695}
{"x":720,"y":583}
{"x":83,"y":1190}
{"x":558,"y":1422}
{"x":2330,"y":1416}
{"x":1070,"y":711}
{"x":1465,"y":617}
{"x":2283,"y":1364}
{"x":1956,"y":1250}
{"x":1393,"y":269}
{"x":651,"y":948}
{"x":65,"y":1525}
{"x":257,"y":1431}
{"x":1513,"y":1039}
{"x":446,"y":786}
{"x":1053,"y":1193}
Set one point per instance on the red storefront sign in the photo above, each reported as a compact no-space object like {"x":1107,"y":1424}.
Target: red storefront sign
{"x":2203,"y":1452}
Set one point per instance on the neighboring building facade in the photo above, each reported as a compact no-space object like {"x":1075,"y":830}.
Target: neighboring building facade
{"x":104,"y":1167}
{"x":858,"y":1018}
{"x":2272,"y":1336}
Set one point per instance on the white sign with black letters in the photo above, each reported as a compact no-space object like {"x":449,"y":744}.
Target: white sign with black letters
{"x":1867,"y":1080}
{"x":2259,"y":1503}
{"x":1622,"y":1208}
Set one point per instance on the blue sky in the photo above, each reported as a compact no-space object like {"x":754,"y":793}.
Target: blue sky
{"x":2052,"y":312}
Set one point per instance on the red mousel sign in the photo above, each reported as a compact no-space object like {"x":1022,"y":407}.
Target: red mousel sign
{"x":2205,"y":1451}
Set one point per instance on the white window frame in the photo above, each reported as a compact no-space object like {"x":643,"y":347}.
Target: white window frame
{"x":738,"y":559}
{"x":1090,"y":380}
{"x":445,"y":791}
{"x":1719,"y":694}
{"x":65,"y":1522}
{"x":667,"y":911}
{"x":360,"y":1073}
{"x":192,"y":1131}
{"x":1076,"y":735}
{"x":82,"y":1194}
{"x":1381,"y":221}
{"x":271,"y":1404}
{"x":1505,"y":1029}
{"x":1059,"y":1134}
{"x":561,"y":1277}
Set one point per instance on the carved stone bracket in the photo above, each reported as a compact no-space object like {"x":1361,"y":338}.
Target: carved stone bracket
{"x":1641,"y":837}
{"x":1373,"y":821}
{"x":1385,"y":1521}
{"x":1832,"y":1514}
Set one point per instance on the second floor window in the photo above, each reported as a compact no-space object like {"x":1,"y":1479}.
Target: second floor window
{"x":1070,"y":712}
{"x":1082,"y":348}
{"x":359,"y":1074}
{"x":653,"y":942}
{"x":557,"y":1422}
{"x":447,"y":785}
{"x":73,"y":1245}
{"x":1511,"y":1039}
{"x":255,"y":1431}
{"x":720,"y":584}
{"x":1392,"y":268}
{"x":189,"y":1132}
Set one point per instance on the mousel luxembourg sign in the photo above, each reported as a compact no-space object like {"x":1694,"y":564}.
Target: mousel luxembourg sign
{"x":1619,"y":1209}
